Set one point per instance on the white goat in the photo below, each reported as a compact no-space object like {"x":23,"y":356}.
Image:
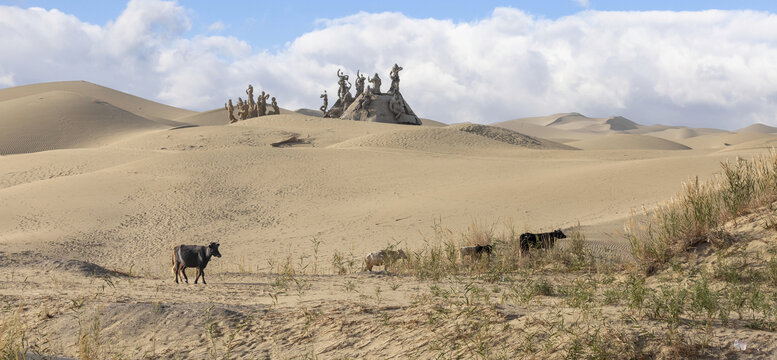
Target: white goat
{"x":381,"y":257}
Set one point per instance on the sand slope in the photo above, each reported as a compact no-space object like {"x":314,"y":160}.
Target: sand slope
{"x":575,"y":122}
{"x":310,"y":112}
{"x":136,"y":105}
{"x":757,"y":128}
{"x":722,"y":140}
{"x":460,"y":137}
{"x":682,"y":133}
{"x":628,"y":142}
{"x":545,"y":132}
{"x":63,"y":119}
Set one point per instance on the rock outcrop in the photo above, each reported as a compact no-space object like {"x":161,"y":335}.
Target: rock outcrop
{"x":383,"y":108}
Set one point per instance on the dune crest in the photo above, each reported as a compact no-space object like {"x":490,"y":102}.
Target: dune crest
{"x":64,"y":120}
{"x":139,"y":106}
{"x":758,"y":128}
{"x":452,"y":138}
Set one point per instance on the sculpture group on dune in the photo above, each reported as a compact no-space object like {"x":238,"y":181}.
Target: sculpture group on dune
{"x":250,"y":108}
{"x":370,"y":104}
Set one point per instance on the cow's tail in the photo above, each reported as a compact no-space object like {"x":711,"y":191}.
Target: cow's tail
{"x":172,"y":263}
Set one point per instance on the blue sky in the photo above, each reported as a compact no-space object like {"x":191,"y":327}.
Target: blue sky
{"x":477,"y":61}
{"x":270,"y":24}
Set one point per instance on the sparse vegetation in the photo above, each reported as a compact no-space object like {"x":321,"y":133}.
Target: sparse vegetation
{"x":567,"y":301}
{"x":699,"y":213}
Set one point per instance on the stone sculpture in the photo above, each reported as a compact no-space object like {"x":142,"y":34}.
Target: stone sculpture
{"x":326,"y":102}
{"x":347,"y":99}
{"x":230,"y":111}
{"x":275,"y":109}
{"x":367,"y":98}
{"x":359,"y":83}
{"x":343,"y":84}
{"x":262,"y":104}
{"x":370,"y":104}
{"x":397,"y":105}
{"x":375,"y":81}
{"x":374,"y":106}
{"x":244,"y":110}
{"x":394,"y":75}
{"x":253,"y":110}
{"x":250,"y":92}
{"x":250,"y":108}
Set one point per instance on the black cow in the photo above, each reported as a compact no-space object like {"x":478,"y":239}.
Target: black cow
{"x":193,"y":256}
{"x":542,"y":240}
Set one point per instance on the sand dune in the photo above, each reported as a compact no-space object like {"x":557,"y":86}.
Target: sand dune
{"x":550,"y":119}
{"x":509,"y":136}
{"x":675,"y":134}
{"x":460,"y":137}
{"x":310,"y":112}
{"x":432,"y":123}
{"x":145,"y":108}
{"x":62,"y":119}
{"x":627,"y":142}
{"x":206,"y":118}
{"x":620,"y":123}
{"x":757,"y":128}
{"x":758,"y":143}
{"x":573,"y":122}
{"x":680,"y":133}
{"x":545,"y":132}
{"x":722,"y":140}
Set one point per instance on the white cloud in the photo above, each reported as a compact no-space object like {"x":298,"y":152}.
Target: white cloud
{"x":217,"y":26}
{"x":583,"y":3}
{"x":6,"y":80}
{"x":709,"y":68}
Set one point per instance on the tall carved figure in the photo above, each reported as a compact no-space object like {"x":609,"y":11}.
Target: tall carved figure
{"x":250,"y":92}
{"x":230,"y":111}
{"x":263,"y":104}
{"x":394,"y":79}
{"x":326,"y":102}
{"x":243,"y":110}
{"x":359,"y":83}
{"x":343,"y":83}
{"x":253,"y":110}
{"x":397,"y":105}
{"x":275,"y":109}
{"x":375,"y":81}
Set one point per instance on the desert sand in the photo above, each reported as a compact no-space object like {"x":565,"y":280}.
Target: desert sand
{"x":96,"y":182}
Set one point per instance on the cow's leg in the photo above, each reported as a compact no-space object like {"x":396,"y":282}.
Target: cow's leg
{"x":177,"y":271}
{"x":202,"y":273}
{"x":198,"y":271}
{"x":183,"y":271}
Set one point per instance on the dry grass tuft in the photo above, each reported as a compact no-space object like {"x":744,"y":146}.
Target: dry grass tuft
{"x":699,"y":212}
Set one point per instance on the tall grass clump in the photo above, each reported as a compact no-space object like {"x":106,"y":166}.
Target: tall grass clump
{"x":13,"y":336}
{"x":698,"y":212}
{"x":440,"y":257}
{"x":18,"y":339}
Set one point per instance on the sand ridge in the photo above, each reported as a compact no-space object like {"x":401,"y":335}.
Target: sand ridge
{"x":136,"y":105}
{"x":63,"y":119}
